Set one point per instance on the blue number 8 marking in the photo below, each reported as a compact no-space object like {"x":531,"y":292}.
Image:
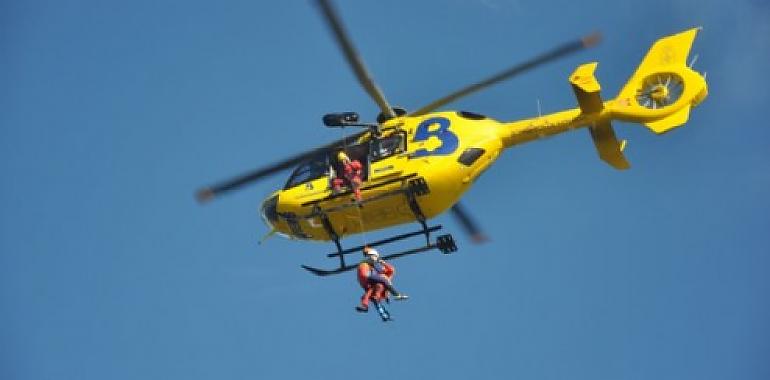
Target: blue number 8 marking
{"x":449,"y":141}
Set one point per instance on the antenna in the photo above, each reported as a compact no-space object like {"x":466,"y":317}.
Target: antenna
{"x":539,"y":112}
{"x":694,"y":59}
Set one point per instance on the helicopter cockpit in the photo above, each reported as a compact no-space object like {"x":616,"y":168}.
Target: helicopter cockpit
{"x":326,"y":165}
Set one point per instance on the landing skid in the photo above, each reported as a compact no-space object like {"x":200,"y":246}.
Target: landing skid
{"x":444,"y":243}
{"x":416,"y":187}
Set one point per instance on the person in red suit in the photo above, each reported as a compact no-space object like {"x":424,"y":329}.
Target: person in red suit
{"x":375,"y":276}
{"x":351,"y":175}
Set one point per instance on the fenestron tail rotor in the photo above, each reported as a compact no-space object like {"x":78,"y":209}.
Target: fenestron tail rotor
{"x":660,"y":90}
{"x":549,"y":56}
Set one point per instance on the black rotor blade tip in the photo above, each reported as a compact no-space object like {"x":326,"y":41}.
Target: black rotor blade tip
{"x":479,"y":238}
{"x":592,"y":39}
{"x":468,"y":224}
{"x":204,"y":195}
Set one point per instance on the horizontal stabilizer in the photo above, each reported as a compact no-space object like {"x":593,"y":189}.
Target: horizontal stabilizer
{"x":607,"y":145}
{"x":587,"y":88}
{"x":670,"y":122}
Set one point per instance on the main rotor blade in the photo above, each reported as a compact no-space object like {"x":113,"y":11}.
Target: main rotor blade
{"x":552,"y":55}
{"x":469,"y":225}
{"x":207,"y":193}
{"x":354,"y":59}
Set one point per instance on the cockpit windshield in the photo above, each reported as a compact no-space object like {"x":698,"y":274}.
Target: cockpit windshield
{"x":314,"y":168}
{"x":327,"y":165}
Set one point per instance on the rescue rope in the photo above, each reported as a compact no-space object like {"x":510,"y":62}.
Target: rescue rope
{"x":364,"y":241}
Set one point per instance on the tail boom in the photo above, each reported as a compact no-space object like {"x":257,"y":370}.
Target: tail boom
{"x":659,"y":95}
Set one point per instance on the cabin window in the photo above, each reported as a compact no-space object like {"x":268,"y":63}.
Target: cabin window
{"x":317,"y":167}
{"x":470,"y":156}
{"x":387,"y":146}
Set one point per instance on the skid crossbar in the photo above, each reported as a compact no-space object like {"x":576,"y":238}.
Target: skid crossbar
{"x":324,"y":272}
{"x":384,"y":241}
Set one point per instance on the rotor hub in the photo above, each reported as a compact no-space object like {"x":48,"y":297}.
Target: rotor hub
{"x":659,"y":93}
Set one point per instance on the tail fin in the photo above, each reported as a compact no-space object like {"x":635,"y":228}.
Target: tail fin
{"x":663,"y":89}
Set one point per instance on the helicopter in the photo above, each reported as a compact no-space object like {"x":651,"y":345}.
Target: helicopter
{"x":417,"y":165}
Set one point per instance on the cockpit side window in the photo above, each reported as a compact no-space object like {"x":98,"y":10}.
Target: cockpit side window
{"x":387,"y":146}
{"x":314,"y":168}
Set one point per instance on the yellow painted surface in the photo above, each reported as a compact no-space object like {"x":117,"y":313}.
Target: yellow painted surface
{"x":448,"y":179}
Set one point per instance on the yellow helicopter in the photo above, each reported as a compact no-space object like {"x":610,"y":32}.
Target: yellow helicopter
{"x":416,"y":165}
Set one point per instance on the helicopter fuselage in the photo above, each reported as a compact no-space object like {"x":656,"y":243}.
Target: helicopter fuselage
{"x":448,"y":150}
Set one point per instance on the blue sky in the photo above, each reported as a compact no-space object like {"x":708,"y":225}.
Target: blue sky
{"x":113,"y":113}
